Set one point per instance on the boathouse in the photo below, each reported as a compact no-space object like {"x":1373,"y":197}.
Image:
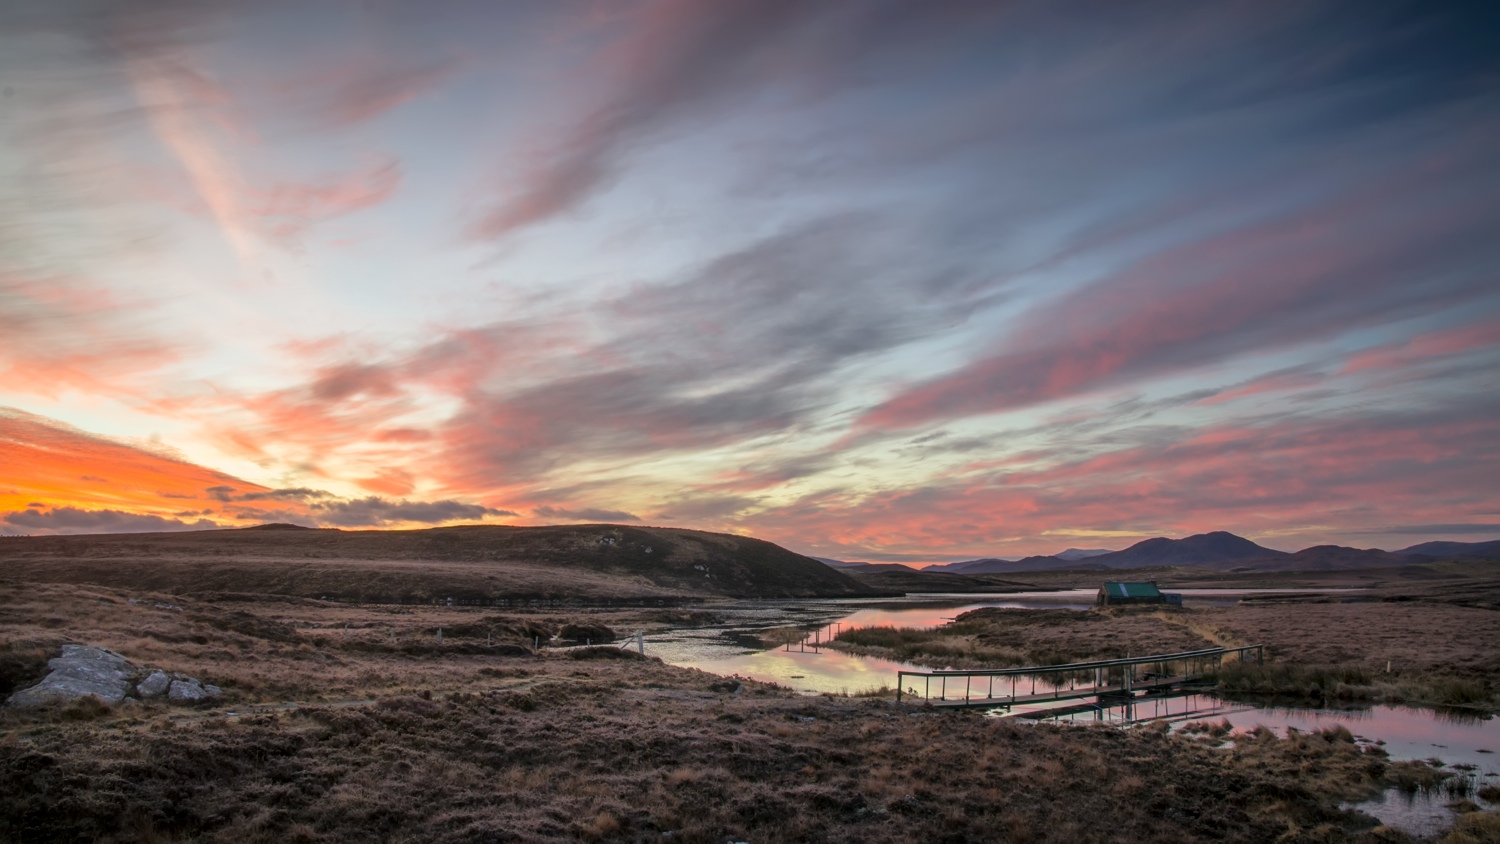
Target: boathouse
{"x":1115,"y":593}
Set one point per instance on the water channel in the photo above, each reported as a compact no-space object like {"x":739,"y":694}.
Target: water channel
{"x":1468,"y":744}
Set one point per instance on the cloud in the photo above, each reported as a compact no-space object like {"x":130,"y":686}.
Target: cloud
{"x":71,"y":520}
{"x":1439,"y":529}
{"x":1286,"y":479}
{"x":767,"y":347}
{"x":1265,"y":286}
{"x":673,"y":56}
{"x":289,"y":494}
{"x":364,"y":86}
{"x":1425,"y":347}
{"x":534,"y":397}
{"x":60,"y":333}
{"x":378,"y":512}
{"x":264,"y":516}
{"x":1079,"y":231}
{"x":705,"y":508}
{"x":261,"y":208}
{"x":586,"y":514}
{"x":46,"y":460}
{"x":1282,"y":380}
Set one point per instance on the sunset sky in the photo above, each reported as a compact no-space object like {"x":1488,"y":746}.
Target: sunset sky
{"x":876,"y":280}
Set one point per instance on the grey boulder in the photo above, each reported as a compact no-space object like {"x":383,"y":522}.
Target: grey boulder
{"x":186,"y":691}
{"x":80,"y":671}
{"x":154,"y":685}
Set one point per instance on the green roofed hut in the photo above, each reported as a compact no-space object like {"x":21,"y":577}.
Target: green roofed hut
{"x":1115,"y":593}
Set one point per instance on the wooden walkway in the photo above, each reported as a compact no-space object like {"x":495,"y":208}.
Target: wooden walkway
{"x":1042,"y":683}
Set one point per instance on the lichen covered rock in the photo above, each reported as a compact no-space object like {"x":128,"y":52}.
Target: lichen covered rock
{"x":155,"y":685}
{"x":80,"y":671}
{"x":186,"y":691}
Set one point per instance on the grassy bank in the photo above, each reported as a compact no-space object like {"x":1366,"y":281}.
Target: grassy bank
{"x":1324,"y":684}
{"x":1004,"y":638}
{"x":560,"y":749}
{"x":476,"y":738}
{"x":1377,"y":652}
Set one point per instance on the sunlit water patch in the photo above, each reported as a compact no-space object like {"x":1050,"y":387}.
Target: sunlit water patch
{"x":1470,"y":745}
{"x":1466,"y":744}
{"x":734,"y":647}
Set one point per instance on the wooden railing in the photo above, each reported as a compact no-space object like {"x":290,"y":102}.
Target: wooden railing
{"x":1076,"y":679}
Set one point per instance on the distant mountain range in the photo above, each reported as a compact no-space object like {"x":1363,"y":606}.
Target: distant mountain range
{"x":1217,"y":550}
{"x":846,"y":565}
{"x":1081,"y":553}
{"x":1454,"y":549}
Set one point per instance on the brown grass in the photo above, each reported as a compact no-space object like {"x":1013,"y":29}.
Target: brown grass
{"x":1002,"y":638}
{"x":597,"y":761}
{"x":456,"y":742}
{"x":1475,"y":828}
{"x":473,"y":564}
{"x":1399,"y":652}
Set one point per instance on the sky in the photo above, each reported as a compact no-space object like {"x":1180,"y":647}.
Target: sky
{"x":883,"y":280}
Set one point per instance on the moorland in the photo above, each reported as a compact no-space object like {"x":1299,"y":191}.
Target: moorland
{"x":346,"y":717}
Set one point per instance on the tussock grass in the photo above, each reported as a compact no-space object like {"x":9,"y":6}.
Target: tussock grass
{"x":1349,"y":683}
{"x":1474,"y":828}
{"x":1005,"y":638}
{"x":463,"y":744}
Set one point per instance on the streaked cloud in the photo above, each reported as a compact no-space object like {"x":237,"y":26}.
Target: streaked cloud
{"x":587,"y":514}
{"x":65,"y":520}
{"x":880,"y":280}
{"x":379,"y":512}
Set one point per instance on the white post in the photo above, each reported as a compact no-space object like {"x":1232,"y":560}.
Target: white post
{"x":640,"y":641}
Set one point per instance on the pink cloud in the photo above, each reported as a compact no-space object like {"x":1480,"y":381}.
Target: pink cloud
{"x":64,"y":333}
{"x":1275,"y":382}
{"x":1311,"y":481}
{"x":1265,"y":286}
{"x":1441,"y":343}
{"x":361,"y":87}
{"x":666,"y":56}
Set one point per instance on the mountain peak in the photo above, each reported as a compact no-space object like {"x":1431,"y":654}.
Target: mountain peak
{"x":1198,"y":549}
{"x":1081,"y":553}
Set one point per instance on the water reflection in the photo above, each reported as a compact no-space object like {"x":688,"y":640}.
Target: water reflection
{"x":734,"y":647}
{"x":808,"y":670}
{"x":1462,"y":742}
{"x":1408,"y":733}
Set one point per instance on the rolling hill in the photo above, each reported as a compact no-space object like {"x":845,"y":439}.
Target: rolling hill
{"x":1201,"y":549}
{"x":1490,"y":549}
{"x":907,"y":580}
{"x":476,"y":563}
{"x":1081,"y":553}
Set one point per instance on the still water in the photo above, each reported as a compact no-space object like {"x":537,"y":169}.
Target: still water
{"x":1468,"y":744}
{"x":731,"y":648}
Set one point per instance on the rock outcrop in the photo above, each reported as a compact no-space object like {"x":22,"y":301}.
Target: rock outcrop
{"x":80,"y":671}
{"x":86,"y":671}
{"x":155,"y":685}
{"x":186,"y":691}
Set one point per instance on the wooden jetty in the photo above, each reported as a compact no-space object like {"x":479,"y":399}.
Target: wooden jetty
{"x":1040,"y":683}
